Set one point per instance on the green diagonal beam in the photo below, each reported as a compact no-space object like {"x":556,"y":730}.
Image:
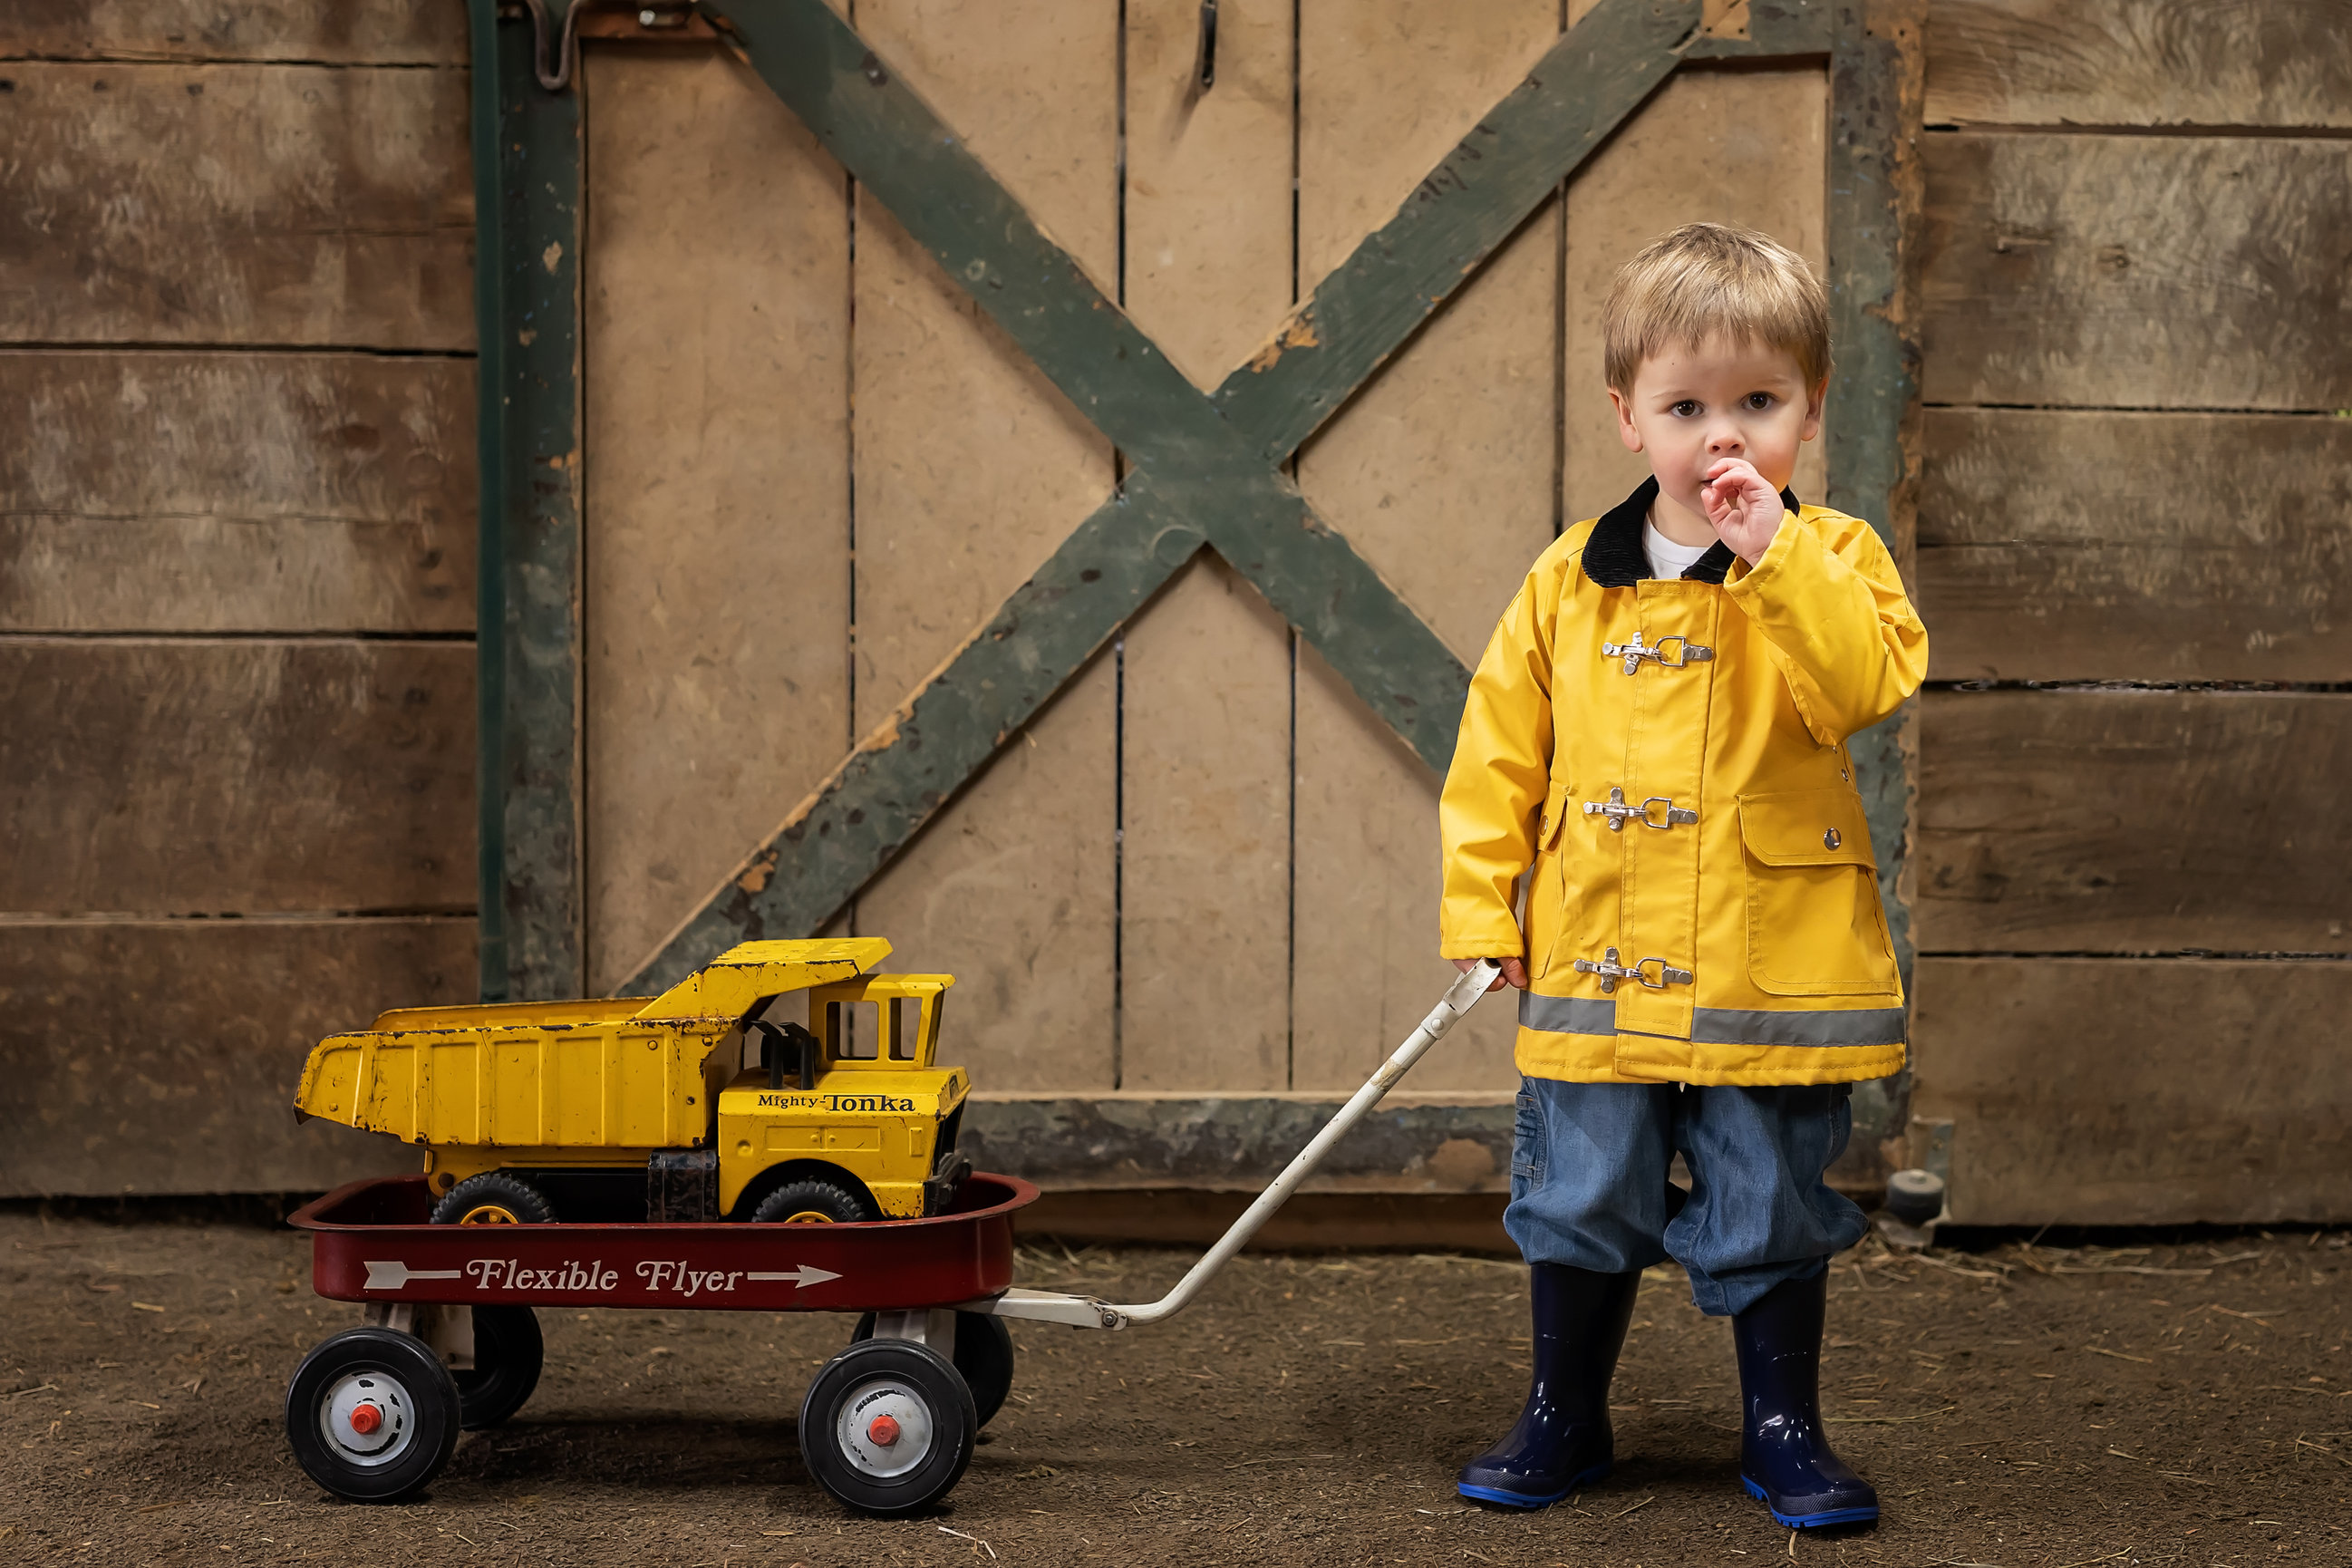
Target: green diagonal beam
{"x":883,"y":132}
{"x":901,"y":774}
{"x":1481,"y":192}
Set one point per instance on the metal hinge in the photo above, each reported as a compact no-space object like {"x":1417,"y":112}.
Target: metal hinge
{"x":1612,"y":972}
{"x":1618,"y":810}
{"x":556,"y":48}
{"x":1634,"y":652}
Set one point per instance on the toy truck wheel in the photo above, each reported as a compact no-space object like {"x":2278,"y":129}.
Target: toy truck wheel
{"x":508,"y":1353}
{"x":984,"y":1354}
{"x":888,"y":1427}
{"x":814,"y":1200}
{"x":372,"y":1415}
{"x":494,"y":1197}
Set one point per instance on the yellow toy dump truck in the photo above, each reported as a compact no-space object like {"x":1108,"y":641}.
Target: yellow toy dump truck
{"x":638,"y":1109}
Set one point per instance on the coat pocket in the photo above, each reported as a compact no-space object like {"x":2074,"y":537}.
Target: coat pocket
{"x":1815,"y":925}
{"x":1546,"y":893}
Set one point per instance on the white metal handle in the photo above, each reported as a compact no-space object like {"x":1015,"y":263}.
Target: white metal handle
{"x":1085,"y":1311}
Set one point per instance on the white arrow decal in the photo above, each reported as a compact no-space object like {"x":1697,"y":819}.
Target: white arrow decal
{"x":393,"y":1275}
{"x":806,"y":1274}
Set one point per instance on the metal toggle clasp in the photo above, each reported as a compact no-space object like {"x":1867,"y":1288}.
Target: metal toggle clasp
{"x":1612,"y":972}
{"x":1617,"y":809}
{"x":1684,"y":652}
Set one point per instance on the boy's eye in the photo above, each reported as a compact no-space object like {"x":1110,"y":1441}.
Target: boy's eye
{"x":1685,"y":409}
{"x":1758,"y":402}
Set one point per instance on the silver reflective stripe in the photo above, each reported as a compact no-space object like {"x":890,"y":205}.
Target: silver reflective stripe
{"x":1567,"y":1015}
{"x":1846,"y":1027}
{"x":1724,"y":1025}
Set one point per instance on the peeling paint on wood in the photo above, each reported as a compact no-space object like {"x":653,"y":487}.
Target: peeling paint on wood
{"x":1441,"y":1143}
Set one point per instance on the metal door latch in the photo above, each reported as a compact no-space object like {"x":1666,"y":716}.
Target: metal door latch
{"x":1612,"y":972}
{"x":1684,"y":652}
{"x":1617,"y":809}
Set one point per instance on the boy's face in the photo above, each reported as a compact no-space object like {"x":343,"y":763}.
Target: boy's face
{"x":1695,"y":405}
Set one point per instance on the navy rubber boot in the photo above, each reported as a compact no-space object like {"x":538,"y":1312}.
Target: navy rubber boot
{"x":1785,"y":1460}
{"x":1561,"y":1441}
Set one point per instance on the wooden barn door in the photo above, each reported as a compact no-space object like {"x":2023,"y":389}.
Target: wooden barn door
{"x":1042,"y":472}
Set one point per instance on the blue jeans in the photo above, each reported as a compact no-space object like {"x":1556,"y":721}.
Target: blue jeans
{"x":1589,"y":1182}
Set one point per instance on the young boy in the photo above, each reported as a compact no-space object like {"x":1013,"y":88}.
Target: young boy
{"x":1655,"y":741}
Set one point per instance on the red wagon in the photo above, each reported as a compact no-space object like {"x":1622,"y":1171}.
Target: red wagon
{"x":887,"y":1427}
{"x":452,"y":1341}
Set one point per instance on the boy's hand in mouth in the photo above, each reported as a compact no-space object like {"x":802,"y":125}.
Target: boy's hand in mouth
{"x":1744,"y":511}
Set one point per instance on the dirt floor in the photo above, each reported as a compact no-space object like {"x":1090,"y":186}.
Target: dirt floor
{"x":2188,"y":1402}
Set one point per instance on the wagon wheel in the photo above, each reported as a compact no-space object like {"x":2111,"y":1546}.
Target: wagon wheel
{"x":372,"y":1415}
{"x":494,"y":1197}
{"x":983,"y":1353}
{"x":508,"y":1353}
{"x":888,"y":1427}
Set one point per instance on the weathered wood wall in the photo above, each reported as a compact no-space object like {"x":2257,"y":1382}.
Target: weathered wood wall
{"x":236,"y":574}
{"x":2137,"y":495}
{"x":236,"y":558}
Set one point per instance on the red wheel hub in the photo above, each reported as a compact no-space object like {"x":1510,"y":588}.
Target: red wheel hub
{"x":882,"y":1432}
{"x":366,"y":1418}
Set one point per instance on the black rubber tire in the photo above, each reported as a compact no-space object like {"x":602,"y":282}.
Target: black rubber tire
{"x":508,"y":1354}
{"x":984,"y":1354}
{"x":498,"y":1189}
{"x":839,"y":1202}
{"x":402,"y":1376}
{"x":901,"y":1377}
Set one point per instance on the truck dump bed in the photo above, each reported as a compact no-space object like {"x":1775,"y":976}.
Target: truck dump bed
{"x":628,"y":1072}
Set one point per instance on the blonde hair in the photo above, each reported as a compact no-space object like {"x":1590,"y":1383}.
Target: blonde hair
{"x":1708,"y":280}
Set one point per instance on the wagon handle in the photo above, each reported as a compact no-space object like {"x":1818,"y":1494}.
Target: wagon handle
{"x":1085,"y":1311}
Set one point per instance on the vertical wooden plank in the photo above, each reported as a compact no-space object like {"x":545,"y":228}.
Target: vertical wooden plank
{"x":1739,"y":147}
{"x":1441,"y":473}
{"x":717,"y":416}
{"x":971,"y":468}
{"x":1205,"y":879}
{"x":529,"y":574}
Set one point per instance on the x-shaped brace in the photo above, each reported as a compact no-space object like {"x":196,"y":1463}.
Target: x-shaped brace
{"x":1206,"y":467}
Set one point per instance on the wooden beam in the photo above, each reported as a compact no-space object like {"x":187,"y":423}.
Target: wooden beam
{"x":2134,"y":271}
{"x":1411,"y":1143}
{"x":2143,"y":62}
{"x":333,"y":201}
{"x":161,"y":1056}
{"x":906,"y":769}
{"x":234,"y":776}
{"x":1874,"y":193}
{"x":209,"y":491}
{"x":527,"y":162}
{"x":1517,"y":154}
{"x":2058,"y":544}
{"x":2125,"y":822}
{"x":2139,"y":1091}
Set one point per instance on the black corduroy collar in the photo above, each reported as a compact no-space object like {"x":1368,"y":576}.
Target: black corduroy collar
{"x":1614,"y":555}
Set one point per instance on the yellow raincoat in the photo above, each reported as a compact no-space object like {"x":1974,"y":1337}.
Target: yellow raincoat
{"x":1668,"y":756}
